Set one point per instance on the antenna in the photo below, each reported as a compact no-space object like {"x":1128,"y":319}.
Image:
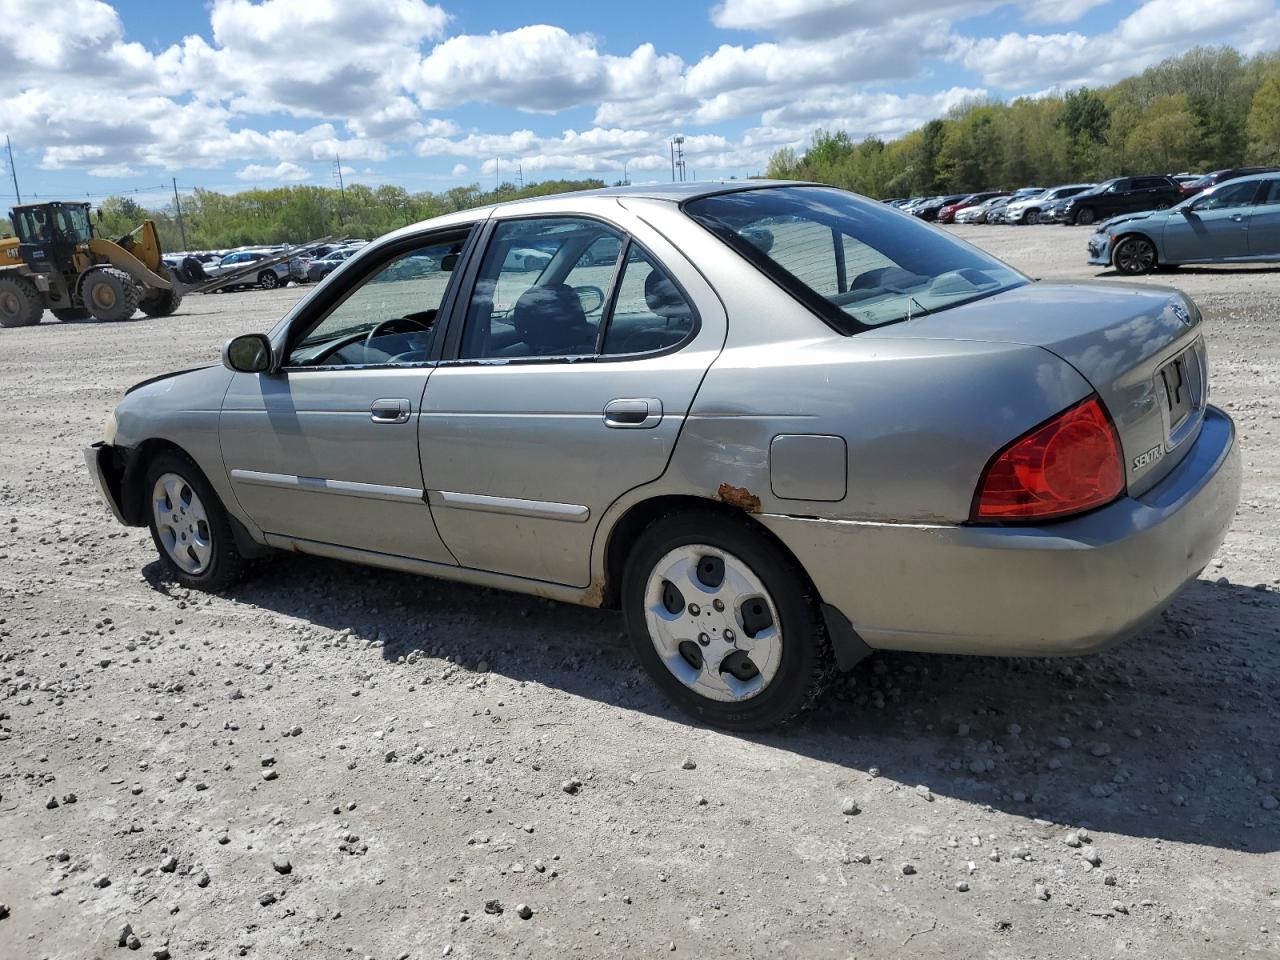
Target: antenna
{"x":178,"y":203}
{"x":13,"y":170}
{"x":342,"y":190}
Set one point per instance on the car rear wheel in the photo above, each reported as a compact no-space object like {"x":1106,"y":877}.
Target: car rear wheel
{"x":1135,"y":256}
{"x":268,"y":280}
{"x":725,"y":621}
{"x":189,"y":525}
{"x":1085,"y":217}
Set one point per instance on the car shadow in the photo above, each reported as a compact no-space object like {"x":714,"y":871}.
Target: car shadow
{"x":1168,"y":736}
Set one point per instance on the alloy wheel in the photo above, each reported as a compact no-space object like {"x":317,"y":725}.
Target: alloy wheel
{"x":713,"y":623}
{"x":1135,"y":256}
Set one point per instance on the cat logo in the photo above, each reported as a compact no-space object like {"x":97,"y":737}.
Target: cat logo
{"x":1148,"y":458}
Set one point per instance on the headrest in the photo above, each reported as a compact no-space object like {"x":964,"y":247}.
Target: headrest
{"x":662,"y":296}
{"x":549,"y":318}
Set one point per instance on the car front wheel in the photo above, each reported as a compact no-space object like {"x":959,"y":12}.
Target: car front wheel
{"x":1085,"y":217}
{"x":189,"y":525}
{"x":725,"y":621}
{"x":1135,"y":256}
{"x":268,"y":280}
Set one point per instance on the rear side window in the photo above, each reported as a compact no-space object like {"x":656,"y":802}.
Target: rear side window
{"x":649,"y":312}
{"x":1272,"y":192}
{"x":856,"y":263}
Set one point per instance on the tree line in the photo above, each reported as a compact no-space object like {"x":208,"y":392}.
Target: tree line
{"x":219,"y":221}
{"x":1209,"y":109}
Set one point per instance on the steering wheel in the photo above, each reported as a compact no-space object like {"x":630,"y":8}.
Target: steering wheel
{"x":378,"y":328}
{"x":587,"y":290}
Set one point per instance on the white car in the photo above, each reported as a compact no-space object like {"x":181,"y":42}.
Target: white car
{"x":1028,"y":210}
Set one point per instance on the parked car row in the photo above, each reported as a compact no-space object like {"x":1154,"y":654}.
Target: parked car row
{"x":1071,"y":204}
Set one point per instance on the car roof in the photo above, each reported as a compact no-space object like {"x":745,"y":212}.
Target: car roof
{"x":676,"y":192}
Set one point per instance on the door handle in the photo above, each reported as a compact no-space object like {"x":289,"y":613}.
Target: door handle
{"x":633,"y":413}
{"x":390,"y":411}
{"x":1238,"y":217}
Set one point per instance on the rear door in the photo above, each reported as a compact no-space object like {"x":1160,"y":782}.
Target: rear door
{"x":1264,"y":222}
{"x":567,"y":387}
{"x":1215,"y":226}
{"x":325,"y":450}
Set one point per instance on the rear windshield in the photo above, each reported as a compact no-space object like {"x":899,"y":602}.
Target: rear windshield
{"x":858,"y":264}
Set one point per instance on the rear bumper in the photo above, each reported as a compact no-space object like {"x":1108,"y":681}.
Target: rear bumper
{"x":99,"y":458}
{"x":1070,"y":587}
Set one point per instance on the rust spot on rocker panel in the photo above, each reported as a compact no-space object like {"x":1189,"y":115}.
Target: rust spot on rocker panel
{"x":739,"y":497}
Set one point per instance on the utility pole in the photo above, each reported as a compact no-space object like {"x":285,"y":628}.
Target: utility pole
{"x":520,"y":174}
{"x":673,"y":161}
{"x":342,"y":190}
{"x":625,"y":181}
{"x":12,"y":169}
{"x":177,"y":202}
{"x":497,"y":161}
{"x":677,"y":156}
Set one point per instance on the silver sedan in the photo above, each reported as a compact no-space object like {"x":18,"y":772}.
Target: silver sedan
{"x":781,"y":427}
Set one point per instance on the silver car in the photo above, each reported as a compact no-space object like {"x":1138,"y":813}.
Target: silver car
{"x":1237,"y":221}
{"x":785,"y":427}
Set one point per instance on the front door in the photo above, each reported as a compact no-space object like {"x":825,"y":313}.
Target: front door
{"x":1264,"y":222}
{"x":326,"y":449}
{"x":1212,"y":227}
{"x":568,"y":386}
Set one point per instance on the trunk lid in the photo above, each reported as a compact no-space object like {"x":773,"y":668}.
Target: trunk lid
{"x":1139,"y":346}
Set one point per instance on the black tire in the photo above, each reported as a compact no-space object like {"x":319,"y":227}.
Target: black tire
{"x":226,"y":565}
{"x":1031,"y":217}
{"x":20,"y":302}
{"x":1084,"y":217}
{"x":109,"y":294}
{"x":1134,"y":256}
{"x":162,"y":303}
{"x":70,"y":314}
{"x":806,"y":661}
{"x":268,"y":280}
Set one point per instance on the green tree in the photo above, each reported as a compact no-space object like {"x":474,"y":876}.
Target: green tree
{"x":1167,"y":139}
{"x":1264,"y":122}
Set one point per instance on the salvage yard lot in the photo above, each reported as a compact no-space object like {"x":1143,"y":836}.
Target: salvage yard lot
{"x":442,"y":754}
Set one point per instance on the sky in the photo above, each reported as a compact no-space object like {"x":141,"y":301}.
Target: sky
{"x":104,"y":98}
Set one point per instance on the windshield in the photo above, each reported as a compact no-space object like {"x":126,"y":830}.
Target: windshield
{"x":856,"y":263}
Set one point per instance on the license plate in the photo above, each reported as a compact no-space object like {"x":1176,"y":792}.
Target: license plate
{"x":1177,"y":390}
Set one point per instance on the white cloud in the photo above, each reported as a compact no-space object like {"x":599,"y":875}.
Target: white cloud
{"x":1157,"y":29}
{"x":460,"y":169}
{"x":537,"y":68}
{"x":285,"y":172}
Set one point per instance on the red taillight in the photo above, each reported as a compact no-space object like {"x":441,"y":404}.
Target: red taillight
{"x":1070,"y":464}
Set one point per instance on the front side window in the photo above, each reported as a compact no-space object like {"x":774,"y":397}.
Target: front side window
{"x":856,"y":263}
{"x":389,"y":317}
{"x":1228,"y":196}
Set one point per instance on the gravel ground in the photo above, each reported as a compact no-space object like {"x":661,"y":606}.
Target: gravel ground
{"x":336,"y":762}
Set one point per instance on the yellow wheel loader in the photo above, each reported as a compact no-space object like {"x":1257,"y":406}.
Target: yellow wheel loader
{"x":56,"y":263}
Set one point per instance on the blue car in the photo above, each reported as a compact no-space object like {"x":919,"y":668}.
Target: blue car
{"x":1237,"y":221}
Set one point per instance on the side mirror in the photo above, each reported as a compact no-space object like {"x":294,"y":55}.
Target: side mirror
{"x":248,"y":353}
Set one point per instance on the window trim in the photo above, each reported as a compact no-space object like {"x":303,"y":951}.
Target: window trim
{"x":457,"y":321}
{"x":328,"y":301}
